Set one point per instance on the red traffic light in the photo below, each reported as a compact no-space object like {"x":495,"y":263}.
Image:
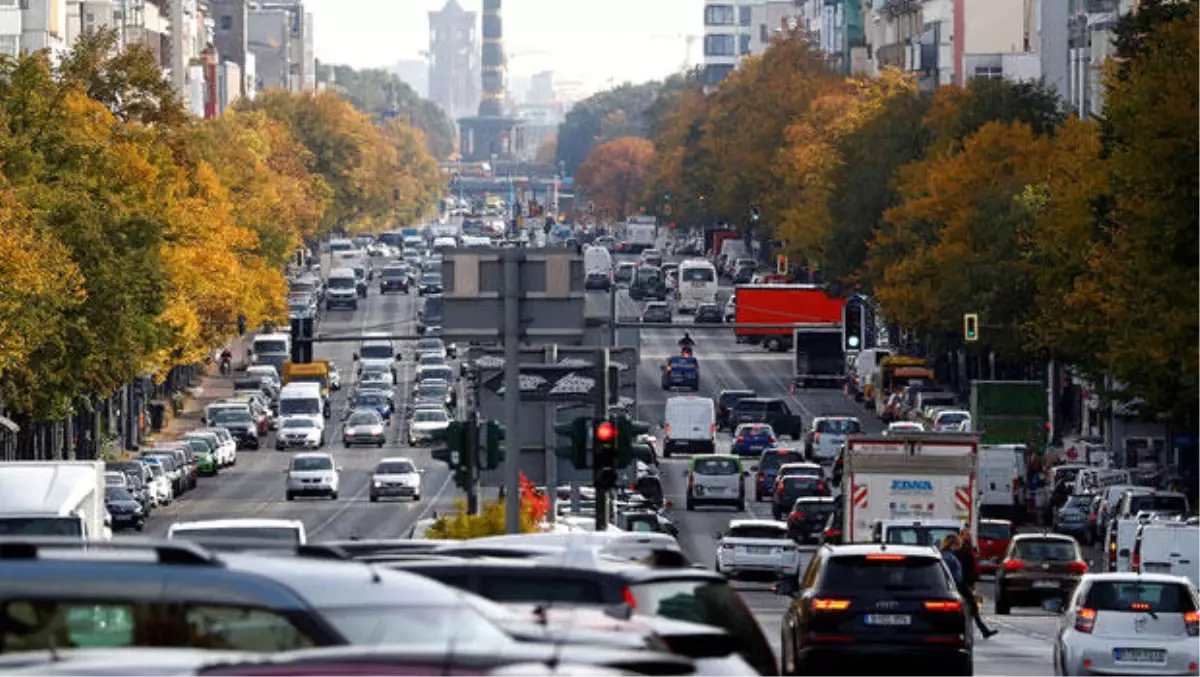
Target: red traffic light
{"x":605,"y":431}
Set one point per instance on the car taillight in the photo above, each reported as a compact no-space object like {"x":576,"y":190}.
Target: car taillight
{"x":712,"y":428}
{"x":796,"y":515}
{"x":1013,"y":565}
{"x":1192,"y":620}
{"x":627,"y":596}
{"x":772,"y":439}
{"x":691,"y":481}
{"x":762,"y":477}
{"x":667,"y":430}
{"x":816,"y":438}
{"x":1136,"y":565}
{"x":741,"y":438}
{"x":779,"y":488}
{"x":1112,"y":551}
{"x":943,"y":605}
{"x":1079,"y":568}
{"x":1085,"y":620}
{"x":822,"y":604}
{"x":832,"y":532}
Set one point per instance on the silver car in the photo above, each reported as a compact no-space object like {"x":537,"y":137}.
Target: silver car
{"x":1128,"y":624}
{"x":366,"y":427}
{"x":397,"y":477}
{"x":312,"y":474}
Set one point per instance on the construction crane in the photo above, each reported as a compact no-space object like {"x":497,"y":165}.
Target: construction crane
{"x":688,"y":38}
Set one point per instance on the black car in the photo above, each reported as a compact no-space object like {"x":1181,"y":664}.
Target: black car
{"x":887,"y":605}
{"x":393,"y":278}
{"x":431,"y":283}
{"x":126,"y":510}
{"x":808,"y":517}
{"x":709,"y":313}
{"x":790,"y":488}
{"x":770,"y":410}
{"x":725,"y":402}
{"x":657,"y":312}
{"x":241,"y":427}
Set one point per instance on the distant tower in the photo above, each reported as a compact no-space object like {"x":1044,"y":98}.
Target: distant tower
{"x":453,"y":60}
{"x":491,"y":133}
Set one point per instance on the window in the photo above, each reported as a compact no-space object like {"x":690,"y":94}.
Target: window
{"x":415,"y":625}
{"x":226,"y":22}
{"x":989,"y":72}
{"x":713,"y":75}
{"x":839,"y":426}
{"x":716,"y":466}
{"x":242,"y":629}
{"x":763,"y":36}
{"x":994,"y":531}
{"x":698,"y":275}
{"x":718,"y":15}
{"x":859,"y":573}
{"x":718,"y":45}
{"x":1046,"y":550}
{"x":1123,"y":596}
{"x":744,"y":15}
{"x":309,"y":463}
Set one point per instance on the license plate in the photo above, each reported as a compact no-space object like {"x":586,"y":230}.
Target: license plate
{"x":888,"y":619}
{"x":1045,"y":584}
{"x":1140,"y":655}
{"x":757,"y":551}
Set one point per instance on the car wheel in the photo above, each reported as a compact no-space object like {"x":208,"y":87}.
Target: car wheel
{"x":278,"y":447}
{"x":333,"y":496}
{"x":416,"y":498}
{"x":257,"y":445}
{"x":380,"y":444}
{"x":740,"y":505}
{"x":291,"y":496}
{"x":691,"y":504}
{"x":374,"y":498}
{"x":139,"y":527}
{"x":1003,"y":605}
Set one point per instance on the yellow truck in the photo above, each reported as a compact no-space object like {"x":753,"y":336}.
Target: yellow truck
{"x":315,"y":372}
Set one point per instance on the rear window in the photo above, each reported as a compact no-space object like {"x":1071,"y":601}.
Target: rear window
{"x":919,"y":535}
{"x":751,"y":405}
{"x":839,"y":427}
{"x":995,"y":532}
{"x":772,"y":461}
{"x":202,"y":535}
{"x":1079,"y":502}
{"x":803,"y":483}
{"x":857,"y":573}
{"x":682,"y":362}
{"x":1046,"y":550}
{"x":1138,"y":596}
{"x":731,"y":399}
{"x":716,"y":466}
{"x":1157,"y":503}
{"x":757,"y":532}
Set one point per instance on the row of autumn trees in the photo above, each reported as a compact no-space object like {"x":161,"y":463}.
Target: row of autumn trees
{"x":132,"y":235}
{"x":1073,"y":239}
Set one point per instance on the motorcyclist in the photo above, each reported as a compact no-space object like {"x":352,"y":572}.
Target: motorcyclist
{"x":686,"y":344}
{"x":226,"y":360}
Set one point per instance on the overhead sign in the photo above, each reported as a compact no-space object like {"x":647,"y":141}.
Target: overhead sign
{"x":570,"y":360}
{"x":549,"y":383}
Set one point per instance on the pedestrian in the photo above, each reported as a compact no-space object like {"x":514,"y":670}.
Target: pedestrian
{"x":949,"y":545}
{"x":970,"y":576}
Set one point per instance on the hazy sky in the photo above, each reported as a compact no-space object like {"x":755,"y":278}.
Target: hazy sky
{"x":587,"y":40}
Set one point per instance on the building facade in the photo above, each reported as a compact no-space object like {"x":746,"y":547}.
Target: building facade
{"x":454,"y":60}
{"x":734,"y":29}
{"x":280,"y":35}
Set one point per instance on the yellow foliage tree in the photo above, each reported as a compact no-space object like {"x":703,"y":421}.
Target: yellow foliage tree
{"x":616,"y":174}
{"x":547,"y":151}
{"x":490,"y":522}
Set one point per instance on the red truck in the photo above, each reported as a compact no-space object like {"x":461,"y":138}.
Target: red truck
{"x":783,"y":304}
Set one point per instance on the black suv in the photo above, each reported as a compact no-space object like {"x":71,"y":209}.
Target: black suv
{"x":725,"y":403}
{"x":861,"y":606}
{"x":792,"y":487}
{"x":808,"y":517}
{"x":770,"y":410}
{"x":393,"y":278}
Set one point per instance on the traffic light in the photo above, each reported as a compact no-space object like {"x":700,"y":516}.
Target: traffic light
{"x":852,"y":325}
{"x":302,"y":351}
{"x":495,"y":447}
{"x":971,"y":327}
{"x":755,"y":214}
{"x":576,"y":431}
{"x":455,"y":441}
{"x":781,"y":265}
{"x":604,"y":448}
{"x":628,"y":448}
{"x":241,"y":321}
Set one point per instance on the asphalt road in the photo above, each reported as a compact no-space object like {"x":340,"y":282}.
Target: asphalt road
{"x":255,"y":487}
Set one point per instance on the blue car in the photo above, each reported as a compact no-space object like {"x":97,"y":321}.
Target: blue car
{"x":768,"y":469}
{"x":374,"y":399}
{"x":681,"y":372}
{"x":752,"y":438}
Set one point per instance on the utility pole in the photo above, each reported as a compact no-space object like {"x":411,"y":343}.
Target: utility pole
{"x":512,"y":388}
{"x":601,"y":414}
{"x":551,"y":440}
{"x":472,"y":461}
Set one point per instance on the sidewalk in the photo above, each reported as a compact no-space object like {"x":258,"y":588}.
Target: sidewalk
{"x":212,"y":387}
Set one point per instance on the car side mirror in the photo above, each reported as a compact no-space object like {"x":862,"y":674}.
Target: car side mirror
{"x":753,"y":468}
{"x":338,"y":469}
{"x":717,"y":535}
{"x":203,"y":421}
{"x":1123,"y":552}
{"x":285,"y":471}
{"x":355,"y":357}
{"x":1052,"y":605}
{"x":421,"y":471}
{"x":745,"y":473}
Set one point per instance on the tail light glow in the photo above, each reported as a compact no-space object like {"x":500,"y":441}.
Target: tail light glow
{"x":886,"y":558}
{"x":823,"y":604}
{"x":1192,"y":620}
{"x":1080,"y":568}
{"x":741,"y":438}
{"x":627,"y":596}
{"x":1085,"y":620}
{"x":943,"y":605}
{"x":1013,"y":565}
{"x":796,"y":515}
{"x":1137,"y":560}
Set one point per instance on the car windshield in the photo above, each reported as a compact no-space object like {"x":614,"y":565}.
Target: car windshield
{"x":441,"y":626}
{"x":362,"y":418}
{"x":300,"y":307}
{"x":230,"y":416}
{"x":910,"y":535}
{"x":437,"y":373}
{"x":300,"y":405}
{"x":430,"y":416}
{"x":117,"y":494}
{"x":377,"y":351}
{"x":682,"y":362}
{"x":758,"y":531}
{"x":370,"y":400}
{"x":839,"y":426}
{"x":431,"y":278}
{"x":952,"y":418}
{"x":1079,"y":502}
{"x":293,"y":423}
{"x":755,"y":430}
{"x":1045,"y":550}
{"x":697,"y":275}
{"x":856,"y":574}
{"x":431,"y":390}
{"x":342,"y":283}
{"x":270,"y":347}
{"x":995,"y":532}
{"x":395,"y":468}
{"x":716,"y":466}
{"x":426,"y":345}
{"x":1157,"y":504}
{"x":820,"y":509}
{"x":312,"y":463}
{"x":1157,"y":597}
{"x":395,"y":272}
{"x":649,"y":275}
{"x":772,"y":461}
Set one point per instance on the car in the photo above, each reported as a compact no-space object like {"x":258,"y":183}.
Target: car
{"x":767,"y":469}
{"x":887,"y":605}
{"x":788,"y":488}
{"x":681,"y":372}
{"x":431,"y":283}
{"x":808,"y":516}
{"x":756,"y":547}
{"x":399,"y":477}
{"x":240,"y":424}
{"x":335,"y":377}
{"x":394,"y":278}
{"x":725,"y":401}
{"x":657,"y":311}
{"x":715,"y":478}
{"x":750,"y":439}
{"x":313,"y":473}
{"x":992,"y":540}
{"x":927,"y":532}
{"x":427,"y":425}
{"x":381,"y":381}
{"x":126,"y":510}
{"x":365,"y":427}
{"x":1037,"y":567}
{"x":827,"y":434}
{"x":1072,"y":518}
{"x":300,"y":432}
{"x":430,"y":346}
{"x":433,"y":392}
{"x":773,"y":411}
{"x":730,"y":310}
{"x":1128,"y":624}
{"x":709,"y":313}
{"x":372,"y":399}
{"x":904,"y":427}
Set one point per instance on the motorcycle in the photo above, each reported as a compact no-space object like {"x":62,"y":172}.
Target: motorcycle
{"x":226,"y":365}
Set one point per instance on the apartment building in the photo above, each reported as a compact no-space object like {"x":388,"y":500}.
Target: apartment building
{"x":734,"y":29}
{"x":280,"y":35}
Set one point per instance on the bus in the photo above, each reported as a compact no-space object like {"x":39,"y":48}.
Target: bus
{"x":697,"y":284}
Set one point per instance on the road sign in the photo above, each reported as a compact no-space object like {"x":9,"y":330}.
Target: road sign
{"x":625,"y":359}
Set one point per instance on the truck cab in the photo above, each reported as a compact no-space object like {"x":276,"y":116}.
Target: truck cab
{"x":54,"y":498}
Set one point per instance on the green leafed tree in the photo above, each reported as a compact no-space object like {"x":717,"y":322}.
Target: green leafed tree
{"x":383,"y":95}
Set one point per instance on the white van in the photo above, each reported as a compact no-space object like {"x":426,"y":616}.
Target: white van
{"x":302,"y":399}
{"x":289,"y":532}
{"x":341,"y":289}
{"x":690,"y":426}
{"x":440,"y":243}
{"x":377,"y":351}
{"x":270,"y":345}
{"x":597,"y":266}
{"x":1168,"y":548}
{"x":1000,"y":466}
{"x":697,"y":285}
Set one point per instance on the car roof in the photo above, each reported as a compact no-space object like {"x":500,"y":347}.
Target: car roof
{"x":781,"y":526}
{"x":996,"y":521}
{"x":1133,"y":577}
{"x":861,"y":549}
{"x":395,"y":459}
{"x":313,"y":454}
{"x":1044,"y":535}
{"x":815,"y":499}
{"x":253,"y":522}
{"x":807,"y":465}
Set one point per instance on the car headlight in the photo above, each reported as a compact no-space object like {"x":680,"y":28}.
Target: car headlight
{"x":726,"y":546}
{"x":376,"y":484}
{"x":350,"y":431}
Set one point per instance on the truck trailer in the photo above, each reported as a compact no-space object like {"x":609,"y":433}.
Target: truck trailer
{"x":819,"y":355}
{"x":783,"y":304}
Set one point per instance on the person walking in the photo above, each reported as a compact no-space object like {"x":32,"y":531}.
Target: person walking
{"x":970,"y":576}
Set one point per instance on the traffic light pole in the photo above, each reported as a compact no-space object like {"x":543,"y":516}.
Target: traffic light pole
{"x":472,"y":461}
{"x":512,"y":389}
{"x":550,"y":438}
{"x":601,"y":414}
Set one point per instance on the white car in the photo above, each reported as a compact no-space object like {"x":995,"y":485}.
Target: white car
{"x":278,"y":530}
{"x":1129,"y":624}
{"x":226,"y":453}
{"x":430,"y":346}
{"x":757,"y":547}
{"x":312,"y":474}
{"x":398,"y":477}
{"x":160,"y":482}
{"x":826,"y":436}
{"x":951,"y":420}
{"x":730,"y":311}
{"x":427,"y":424}
{"x":300,"y":432}
{"x":904,"y":427}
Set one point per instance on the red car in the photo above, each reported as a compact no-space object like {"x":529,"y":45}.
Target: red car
{"x":993,"y":539}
